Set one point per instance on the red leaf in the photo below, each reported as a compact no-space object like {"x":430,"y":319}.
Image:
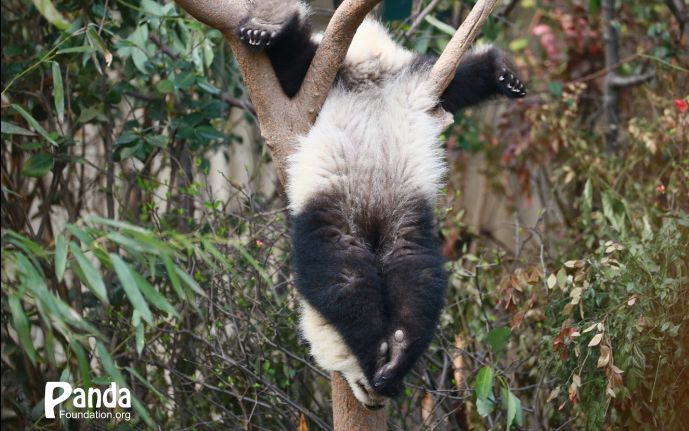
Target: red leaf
{"x":682,"y":105}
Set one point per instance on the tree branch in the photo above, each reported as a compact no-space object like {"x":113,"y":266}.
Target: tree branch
{"x":610,"y":92}
{"x":629,"y":81}
{"x":444,"y":69}
{"x":331,"y":53}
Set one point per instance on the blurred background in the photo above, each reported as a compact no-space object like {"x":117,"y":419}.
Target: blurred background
{"x":145,"y":236}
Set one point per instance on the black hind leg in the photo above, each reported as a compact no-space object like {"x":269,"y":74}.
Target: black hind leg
{"x":338,"y":276}
{"x":285,"y":35}
{"x":415,"y":282}
{"x":480,"y":76}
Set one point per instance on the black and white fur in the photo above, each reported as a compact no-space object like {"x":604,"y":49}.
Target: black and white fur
{"x":362,"y":191}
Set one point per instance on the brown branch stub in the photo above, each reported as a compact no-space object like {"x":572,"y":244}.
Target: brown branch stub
{"x":349,"y":414}
{"x":444,"y":69}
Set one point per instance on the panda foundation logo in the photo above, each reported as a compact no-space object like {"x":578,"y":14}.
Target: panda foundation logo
{"x":92,"y":403}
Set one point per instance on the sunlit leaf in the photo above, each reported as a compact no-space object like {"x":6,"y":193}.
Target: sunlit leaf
{"x":51,"y":14}
{"x":483,"y":386}
{"x":596,"y":340}
{"x":445,"y":28}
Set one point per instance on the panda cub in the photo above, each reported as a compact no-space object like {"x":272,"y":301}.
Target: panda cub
{"x":362,"y":187}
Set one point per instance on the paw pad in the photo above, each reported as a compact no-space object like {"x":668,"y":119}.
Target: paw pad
{"x":510,"y":85}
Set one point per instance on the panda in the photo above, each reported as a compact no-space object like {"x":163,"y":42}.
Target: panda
{"x":362,"y":187}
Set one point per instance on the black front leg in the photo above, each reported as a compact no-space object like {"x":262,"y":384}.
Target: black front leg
{"x":287,"y":42}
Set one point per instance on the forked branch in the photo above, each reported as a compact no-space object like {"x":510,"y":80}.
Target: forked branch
{"x":444,"y":69}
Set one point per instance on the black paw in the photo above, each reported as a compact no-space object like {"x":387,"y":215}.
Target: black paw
{"x":509,"y":84}
{"x":258,"y":35}
{"x":391,"y":354}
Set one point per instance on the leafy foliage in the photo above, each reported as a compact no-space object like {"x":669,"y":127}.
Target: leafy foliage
{"x":144,"y":241}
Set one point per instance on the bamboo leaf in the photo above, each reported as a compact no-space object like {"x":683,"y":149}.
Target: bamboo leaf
{"x":99,"y":43}
{"x":92,"y":277}
{"x":22,"y":326}
{"x":126,"y":276}
{"x":51,"y":14}
{"x":189,"y":281}
{"x":153,"y":296}
{"x":58,"y":92}
{"x":84,"y":366}
{"x":111,"y":368}
{"x":140,"y":338}
{"x":445,"y":28}
{"x":9,"y":128}
{"x":33,"y":123}
{"x":60,"y":257}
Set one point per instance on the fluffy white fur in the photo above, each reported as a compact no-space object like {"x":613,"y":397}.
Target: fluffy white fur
{"x":375,"y":141}
{"x":380,"y":143}
{"x":331,"y":353}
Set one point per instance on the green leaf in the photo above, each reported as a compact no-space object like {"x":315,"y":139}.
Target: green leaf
{"x":84,"y":366}
{"x":189,"y":281}
{"x":555,"y":88}
{"x":146,"y":383}
{"x":50,"y":13}
{"x":484,"y":407}
{"x":126,"y":276}
{"x":435,"y":22}
{"x":83,"y":236}
{"x":519,"y":44}
{"x":587,"y":202}
{"x":153,"y":296}
{"x":498,"y":338}
{"x":9,"y":128}
{"x":38,"y":165}
{"x":111,"y":368}
{"x":60,"y":257}
{"x":23,"y":328}
{"x":513,"y":406}
{"x":99,"y":44}
{"x":207,"y":86}
{"x":483,"y":387}
{"x":165,"y":86}
{"x":33,"y":123}
{"x":58,"y":92}
{"x":140,"y":338}
{"x":172,"y":275}
{"x":77,"y":50}
{"x":93,"y":279}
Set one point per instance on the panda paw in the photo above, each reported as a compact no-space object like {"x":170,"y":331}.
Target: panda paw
{"x":390,"y":355}
{"x":509,"y":84}
{"x":257,"y":35}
